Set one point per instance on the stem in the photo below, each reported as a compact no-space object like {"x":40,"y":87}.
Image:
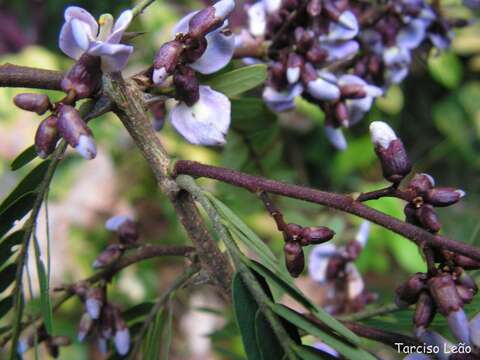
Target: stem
{"x":263,"y":301}
{"x":132,"y":111}
{"x":177,"y":284}
{"x":391,"y":191}
{"x":274,"y":212}
{"x":340,"y":202}
{"x":141,"y":6}
{"x":370,"y":312}
{"x":28,"y":77}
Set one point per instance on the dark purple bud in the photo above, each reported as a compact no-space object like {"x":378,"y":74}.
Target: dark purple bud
{"x":294,"y":232}
{"x":424,"y":311}
{"x":316,"y":55}
{"x":421,"y":183}
{"x":195,"y":49}
{"x":335,"y":267}
{"x":84,"y":77}
{"x":444,"y":293}
{"x":353,"y":249}
{"x":466,"y":280}
{"x":128,"y":232}
{"x":108,"y":256}
{"x":76,"y":132}
{"x":84,"y":326}
{"x":314,"y":7}
{"x":38,"y":103}
{"x":428,"y":218}
{"x":107,"y":322}
{"x":186,"y":85}
{"x":443,"y":196}
{"x":294,"y":67}
{"x":94,"y":301}
{"x":303,"y":39}
{"x":158,"y":111}
{"x":341,"y":113}
{"x":316,"y":235}
{"x":277,"y":75}
{"x":203,"y":22}
{"x":46,"y":137}
{"x":408,"y":292}
{"x":465,"y":293}
{"x":166,"y":60}
{"x":466,"y":262}
{"x":353,"y":91}
{"x":294,"y":258}
{"x":410,"y":212}
{"x":309,"y":73}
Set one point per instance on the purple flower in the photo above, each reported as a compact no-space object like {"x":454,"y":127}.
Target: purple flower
{"x":81,"y":33}
{"x":207,"y":121}
{"x":318,"y":261}
{"x":280,"y":101}
{"x":336,"y":137}
{"x":397,"y":61}
{"x":345,"y":28}
{"x":324,"y":87}
{"x":257,"y":15}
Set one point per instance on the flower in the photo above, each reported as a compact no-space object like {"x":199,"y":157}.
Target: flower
{"x":280,"y":101}
{"x":207,"y":121}
{"x":82,"y":34}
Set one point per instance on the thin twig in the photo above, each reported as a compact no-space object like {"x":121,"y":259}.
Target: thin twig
{"x":370,"y":312}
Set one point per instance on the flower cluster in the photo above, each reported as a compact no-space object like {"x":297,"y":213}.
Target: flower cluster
{"x":52,"y":343}
{"x":340,"y":55}
{"x":333,"y":266}
{"x":201,"y":43}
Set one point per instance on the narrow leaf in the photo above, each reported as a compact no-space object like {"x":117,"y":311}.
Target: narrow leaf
{"x":152,"y":342}
{"x":16,"y":211}
{"x":310,"y":353}
{"x":5,"y":305}
{"x":7,"y":276}
{"x":245,"y":308}
{"x":45,"y":302}
{"x":23,"y":158}
{"x":239,"y":80}
{"x":138,"y":311}
{"x":8,"y":243}
{"x":347,"y":350}
{"x":28,"y":184}
{"x":267,"y":342}
{"x":167,"y":333}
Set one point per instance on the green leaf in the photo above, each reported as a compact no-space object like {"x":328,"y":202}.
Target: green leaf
{"x":24,"y":158}
{"x":239,"y":80}
{"x":446,"y":68}
{"x":138,"y":311}
{"x":245,"y":308}
{"x":251,"y":115}
{"x":310,"y":353}
{"x":7,"y":276}
{"x":16,"y":211}
{"x":152,"y":343}
{"x":45,"y":301}
{"x":267,"y":342}
{"x":28,"y":184}
{"x":5,"y":305}
{"x":347,"y":350}
{"x":167,"y":333}
{"x":8,"y":243}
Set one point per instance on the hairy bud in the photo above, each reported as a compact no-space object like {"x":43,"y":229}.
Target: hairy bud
{"x":424,"y":311}
{"x":316,"y":235}
{"x":443,"y":196}
{"x":428,"y":218}
{"x":421,"y":183}
{"x":84,"y":77}
{"x":444,"y":292}
{"x":294,"y":258}
{"x":38,"y":103}
{"x":408,"y":292}
{"x":186,"y":85}
{"x":76,"y":132}
{"x":112,"y":253}
{"x":46,"y":137}
{"x":166,"y":60}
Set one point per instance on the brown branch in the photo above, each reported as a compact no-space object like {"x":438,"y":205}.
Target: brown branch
{"x":28,"y":77}
{"x":391,"y":191}
{"x":340,"y":202}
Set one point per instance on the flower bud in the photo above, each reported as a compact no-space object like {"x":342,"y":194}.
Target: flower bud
{"x":294,"y":258}
{"x":84,"y":327}
{"x":294,"y":67}
{"x":341,"y":113}
{"x":444,"y":293}
{"x":458,"y":323}
{"x":390,"y":151}
{"x":107,"y":321}
{"x":122,"y":336}
{"x":166,"y":60}
{"x":112,"y":253}
{"x":443,"y":196}
{"x":353,"y":91}
{"x":125,"y":226}
{"x":195,"y":49}
{"x":158,"y":111}
{"x":46,"y":137}
{"x":314,"y":8}
{"x":408,"y":292}
{"x":304,"y":39}
{"x":186,"y":85}
{"x":210,"y":18}
{"x":424,"y":311}
{"x":38,"y":103}
{"x":410,"y":212}
{"x":94,"y":302}
{"x":316,"y":235}
{"x":84,"y":77}
{"x":421,"y":183}
{"x":466,"y":280}
{"x":294,"y":232}
{"x":76,"y":132}
{"x":316,"y":54}
{"x":466,"y":262}
{"x":335,"y":267}
{"x":428,"y":218}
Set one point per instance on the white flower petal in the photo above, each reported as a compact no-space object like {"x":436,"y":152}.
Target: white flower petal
{"x":412,"y":34}
{"x":223,"y":8}
{"x":355,"y":283}
{"x":75,"y":12}
{"x":159,"y":76}
{"x":121,"y":24}
{"x":318,"y":261}
{"x":272,"y":5}
{"x":346,"y":28}
{"x":323,"y":90}
{"x":458,"y":323}
{"x":341,"y":50}
{"x":382,"y":134}
{"x":93,"y":307}
{"x":336,"y":137}
{"x":357,"y":108}
{"x":114,"y":56}
{"x":218,"y":53}
{"x":349,"y":79}
{"x":67,"y":42}
{"x":81,"y":33}
{"x":207,"y":121}
{"x":363,"y":233}
{"x":326,"y":348}
{"x":122,"y":341}
{"x":293,"y":75}
{"x":86,"y":147}
{"x":257,"y":19}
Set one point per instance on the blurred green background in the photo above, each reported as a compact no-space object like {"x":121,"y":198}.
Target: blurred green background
{"x":436,"y":112}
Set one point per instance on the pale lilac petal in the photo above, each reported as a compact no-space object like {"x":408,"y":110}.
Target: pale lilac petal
{"x":341,"y":50}
{"x":115,"y":222}
{"x":475,"y":330}
{"x":293,"y":74}
{"x":346,"y":28}
{"x":336,"y":137}
{"x":396,"y":55}
{"x":121,"y":24}
{"x":280,"y":101}
{"x":218,"y":53}
{"x":181,"y":27}
{"x":272,"y":5}
{"x":381,"y":134}
{"x":81,"y":33}
{"x":355,"y":283}
{"x":326,"y":348}
{"x":86,"y":147}
{"x":458,"y":323}
{"x":207,"y":121}
{"x":412,"y":34}
{"x":318,"y":261}
{"x":349,"y":79}
{"x":357,"y":108}
{"x":257,"y":19}
{"x":223,"y":8}
{"x":93,"y":307}
{"x":114,"y":56}
{"x":435,"y":339}
{"x":363,"y":233}
{"x":417,"y":356}
{"x":440,"y":41}
{"x":67,"y":42}
{"x":322,"y":89}
{"x":122,"y":341}
{"x":75,"y":12}
{"x":397,"y":75}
